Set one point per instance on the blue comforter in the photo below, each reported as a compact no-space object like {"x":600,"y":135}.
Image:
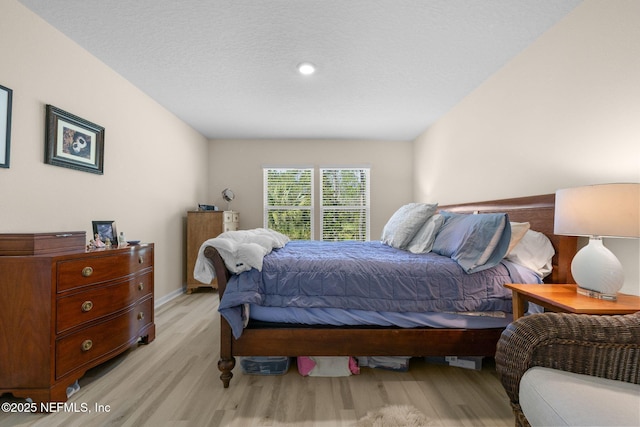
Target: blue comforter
{"x":365,"y":276}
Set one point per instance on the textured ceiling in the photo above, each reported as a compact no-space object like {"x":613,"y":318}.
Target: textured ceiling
{"x":386,"y":69}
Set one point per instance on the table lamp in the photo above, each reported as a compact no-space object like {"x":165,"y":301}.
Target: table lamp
{"x":597,"y":211}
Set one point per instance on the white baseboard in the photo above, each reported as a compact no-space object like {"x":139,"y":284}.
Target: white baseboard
{"x":165,"y":299}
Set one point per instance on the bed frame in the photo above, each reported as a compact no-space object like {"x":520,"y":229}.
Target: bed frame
{"x":307,"y":340}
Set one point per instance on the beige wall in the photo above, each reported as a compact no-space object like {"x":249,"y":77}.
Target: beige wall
{"x":565,"y":112}
{"x":154,"y":164}
{"x":238,"y":165}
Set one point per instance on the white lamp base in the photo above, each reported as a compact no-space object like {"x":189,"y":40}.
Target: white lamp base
{"x":597,"y":271}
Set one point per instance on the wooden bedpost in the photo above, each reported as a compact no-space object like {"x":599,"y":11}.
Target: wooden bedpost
{"x":222,"y":274}
{"x":227,"y":362}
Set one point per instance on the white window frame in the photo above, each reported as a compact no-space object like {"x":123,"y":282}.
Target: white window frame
{"x":316,"y":209}
{"x":365,"y":207}
{"x":267,"y":208}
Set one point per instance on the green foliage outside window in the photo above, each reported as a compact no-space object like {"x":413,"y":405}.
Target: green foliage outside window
{"x":289,"y":202}
{"x":294,"y":223}
{"x":344,"y":203}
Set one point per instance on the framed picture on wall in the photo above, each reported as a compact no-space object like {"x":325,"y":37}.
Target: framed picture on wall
{"x":105,"y":230}
{"x":6,"y":95}
{"x":73,"y":142}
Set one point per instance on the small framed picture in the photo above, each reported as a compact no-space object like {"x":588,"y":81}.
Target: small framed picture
{"x":72,"y":142}
{"x":6,"y":95}
{"x":105,"y":230}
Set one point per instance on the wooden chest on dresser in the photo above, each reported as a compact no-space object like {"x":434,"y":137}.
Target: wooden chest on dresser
{"x":63,"y":313}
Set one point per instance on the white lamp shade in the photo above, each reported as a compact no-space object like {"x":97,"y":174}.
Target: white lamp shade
{"x":605,"y":210}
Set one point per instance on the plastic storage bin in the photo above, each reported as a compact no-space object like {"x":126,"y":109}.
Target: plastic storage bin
{"x":391,"y":363}
{"x":265,"y":365}
{"x":467,"y":362}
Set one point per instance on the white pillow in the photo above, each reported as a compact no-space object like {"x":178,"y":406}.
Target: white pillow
{"x":535,"y":252}
{"x":405,"y":222}
{"x":518,"y":230}
{"x":422,"y":241}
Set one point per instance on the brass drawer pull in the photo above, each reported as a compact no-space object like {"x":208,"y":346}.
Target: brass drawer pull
{"x":140,"y":260}
{"x":141,"y":315}
{"x":86,"y":345}
{"x":87,"y":271}
{"x":140,"y":286}
{"x":87,"y":306}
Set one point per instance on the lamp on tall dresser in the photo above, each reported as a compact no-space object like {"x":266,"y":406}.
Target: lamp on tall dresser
{"x":597,"y":211}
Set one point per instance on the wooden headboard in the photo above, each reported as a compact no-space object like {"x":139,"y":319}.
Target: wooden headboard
{"x":539,"y":211}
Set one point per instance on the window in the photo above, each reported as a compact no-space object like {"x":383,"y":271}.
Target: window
{"x":288,"y":201}
{"x":343,"y":202}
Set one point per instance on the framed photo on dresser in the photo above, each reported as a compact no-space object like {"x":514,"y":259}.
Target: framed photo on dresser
{"x":106,"y":230}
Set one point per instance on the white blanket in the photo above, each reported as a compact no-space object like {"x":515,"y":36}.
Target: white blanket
{"x":241,"y":250}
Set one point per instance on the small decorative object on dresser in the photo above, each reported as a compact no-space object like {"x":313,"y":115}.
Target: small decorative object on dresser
{"x":66,"y":311}
{"x":228,"y":195}
{"x":201,"y":226}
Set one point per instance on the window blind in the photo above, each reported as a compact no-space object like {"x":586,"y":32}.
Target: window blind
{"x":288,"y":201}
{"x":344,"y":204}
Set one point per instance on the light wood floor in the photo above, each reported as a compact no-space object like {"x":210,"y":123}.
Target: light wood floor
{"x":175,"y":381}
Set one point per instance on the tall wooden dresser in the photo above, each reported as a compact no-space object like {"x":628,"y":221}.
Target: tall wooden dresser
{"x":202,"y":226}
{"x":62,"y":313}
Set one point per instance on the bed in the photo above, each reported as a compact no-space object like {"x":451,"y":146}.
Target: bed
{"x":264,"y":338}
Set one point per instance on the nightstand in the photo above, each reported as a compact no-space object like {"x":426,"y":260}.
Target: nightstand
{"x":566,"y":299}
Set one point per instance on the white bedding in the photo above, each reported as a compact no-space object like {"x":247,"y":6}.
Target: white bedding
{"x":241,"y":251}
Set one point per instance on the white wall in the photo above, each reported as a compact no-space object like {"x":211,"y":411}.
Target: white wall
{"x":154,"y":164}
{"x":238,"y":165}
{"x":565,"y":112}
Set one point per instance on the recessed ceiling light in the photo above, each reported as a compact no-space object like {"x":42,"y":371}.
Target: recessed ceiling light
{"x":306,"y":68}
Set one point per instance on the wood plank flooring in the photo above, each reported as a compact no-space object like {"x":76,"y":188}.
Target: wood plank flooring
{"x":174,"y":381}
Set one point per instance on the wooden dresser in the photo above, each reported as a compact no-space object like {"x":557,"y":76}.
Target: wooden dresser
{"x":63,"y":313}
{"x":202,"y":226}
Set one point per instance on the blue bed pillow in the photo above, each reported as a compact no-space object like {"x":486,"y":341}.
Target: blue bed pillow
{"x":475,"y":242}
{"x":405,"y":222}
{"x":422,"y":241}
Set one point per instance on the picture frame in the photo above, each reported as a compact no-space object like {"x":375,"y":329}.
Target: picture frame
{"x":73,"y":142}
{"x":106,"y":230}
{"x":6,"y":99}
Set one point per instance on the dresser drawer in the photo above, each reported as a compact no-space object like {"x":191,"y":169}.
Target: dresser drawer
{"x":94,"y":303}
{"x":229,"y":227}
{"x":79,"y":272}
{"x":231,"y":216}
{"x":230,"y":221}
{"x":84,"y":347}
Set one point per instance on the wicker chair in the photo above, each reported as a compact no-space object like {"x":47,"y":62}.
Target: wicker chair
{"x":603,"y":346}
